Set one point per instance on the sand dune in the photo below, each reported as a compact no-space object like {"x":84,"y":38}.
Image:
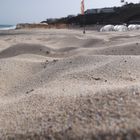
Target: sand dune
{"x":25,"y":49}
{"x":61,"y":84}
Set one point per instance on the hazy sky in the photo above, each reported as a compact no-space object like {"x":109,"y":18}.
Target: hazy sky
{"x":15,"y":11}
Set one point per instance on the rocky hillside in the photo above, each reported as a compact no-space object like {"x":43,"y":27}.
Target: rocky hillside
{"x":129,"y":13}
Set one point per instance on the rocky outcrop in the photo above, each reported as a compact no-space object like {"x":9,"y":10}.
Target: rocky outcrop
{"x":26,"y":25}
{"x":40,"y":25}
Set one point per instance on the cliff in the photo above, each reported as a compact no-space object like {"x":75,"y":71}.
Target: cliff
{"x":40,"y":25}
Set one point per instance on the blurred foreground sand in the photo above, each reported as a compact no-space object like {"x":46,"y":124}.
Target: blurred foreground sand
{"x":61,"y":84}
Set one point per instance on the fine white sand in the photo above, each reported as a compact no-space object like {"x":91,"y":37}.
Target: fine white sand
{"x":61,"y":84}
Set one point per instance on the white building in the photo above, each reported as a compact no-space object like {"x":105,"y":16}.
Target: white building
{"x":91,"y":11}
{"x":101,"y":10}
{"x":107,"y":10}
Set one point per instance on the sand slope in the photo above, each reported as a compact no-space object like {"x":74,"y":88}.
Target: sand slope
{"x":61,"y":84}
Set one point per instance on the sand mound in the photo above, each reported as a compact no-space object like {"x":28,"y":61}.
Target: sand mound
{"x":25,"y":49}
{"x":125,"y":49}
{"x":84,"y":87}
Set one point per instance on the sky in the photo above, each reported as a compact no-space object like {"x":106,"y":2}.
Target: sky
{"x":34,"y":11}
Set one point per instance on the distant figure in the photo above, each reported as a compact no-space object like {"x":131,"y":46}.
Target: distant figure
{"x":84,"y":31}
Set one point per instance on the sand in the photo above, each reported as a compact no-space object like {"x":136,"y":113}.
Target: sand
{"x":61,"y":84}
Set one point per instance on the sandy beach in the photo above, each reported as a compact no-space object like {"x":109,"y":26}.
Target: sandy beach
{"x":62,"y":84}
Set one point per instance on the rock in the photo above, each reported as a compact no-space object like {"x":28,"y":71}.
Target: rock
{"x":107,"y":28}
{"x":132,"y":27}
{"x":120,"y":28}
